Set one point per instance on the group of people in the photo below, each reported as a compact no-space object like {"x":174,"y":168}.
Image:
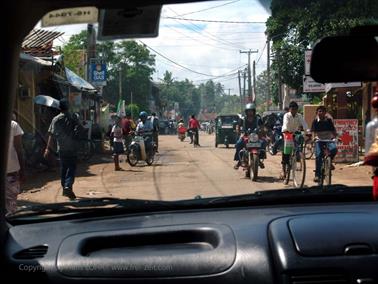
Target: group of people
{"x":192,"y":129}
{"x":122,"y":131}
{"x":322,"y":128}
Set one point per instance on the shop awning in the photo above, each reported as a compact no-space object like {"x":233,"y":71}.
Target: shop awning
{"x":78,"y":82}
{"x":36,"y":60}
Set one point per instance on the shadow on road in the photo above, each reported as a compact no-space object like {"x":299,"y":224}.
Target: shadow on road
{"x":37,"y":179}
{"x":268,"y":179}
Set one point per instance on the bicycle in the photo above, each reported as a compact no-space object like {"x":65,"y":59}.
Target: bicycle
{"x":297,"y":162}
{"x":326,"y":168}
{"x":309,"y":147}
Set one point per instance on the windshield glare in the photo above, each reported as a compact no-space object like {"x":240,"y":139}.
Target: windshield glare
{"x":180,"y":116}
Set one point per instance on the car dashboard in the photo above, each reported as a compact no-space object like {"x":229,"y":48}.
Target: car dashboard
{"x":315,"y":243}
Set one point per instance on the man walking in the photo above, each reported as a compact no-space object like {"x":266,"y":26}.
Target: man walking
{"x":15,"y":168}
{"x":64,"y":129}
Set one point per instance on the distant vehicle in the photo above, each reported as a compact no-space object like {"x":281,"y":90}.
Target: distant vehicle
{"x":163,"y":127}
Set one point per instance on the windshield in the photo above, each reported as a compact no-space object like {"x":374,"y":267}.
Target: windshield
{"x":135,"y":118}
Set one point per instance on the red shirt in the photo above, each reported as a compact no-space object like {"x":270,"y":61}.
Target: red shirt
{"x":193,"y":123}
{"x":125,"y":126}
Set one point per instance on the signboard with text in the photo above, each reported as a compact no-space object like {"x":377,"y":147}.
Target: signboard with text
{"x":347,"y":132}
{"x":307,"y":62}
{"x":98,"y":73}
{"x":311,"y":86}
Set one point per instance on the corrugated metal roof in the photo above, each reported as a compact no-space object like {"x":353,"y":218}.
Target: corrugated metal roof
{"x":39,"y":38}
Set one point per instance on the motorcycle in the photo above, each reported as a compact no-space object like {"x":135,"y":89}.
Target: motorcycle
{"x":182,"y":133}
{"x":137,"y":151}
{"x":275,"y":137}
{"x":253,"y":154}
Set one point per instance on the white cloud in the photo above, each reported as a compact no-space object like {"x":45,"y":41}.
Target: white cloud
{"x":207,"y":47}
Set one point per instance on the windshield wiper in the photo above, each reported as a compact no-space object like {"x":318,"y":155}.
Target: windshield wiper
{"x":111,"y":206}
{"x":314,"y":194}
{"x":88,"y":204}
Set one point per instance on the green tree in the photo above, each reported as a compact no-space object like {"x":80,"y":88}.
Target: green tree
{"x":126,"y":60}
{"x":74,"y":53}
{"x":296,"y":25}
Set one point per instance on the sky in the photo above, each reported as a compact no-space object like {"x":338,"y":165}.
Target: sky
{"x":210,"y":46}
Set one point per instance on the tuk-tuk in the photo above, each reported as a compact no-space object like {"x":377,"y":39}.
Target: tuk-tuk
{"x":225,"y":129}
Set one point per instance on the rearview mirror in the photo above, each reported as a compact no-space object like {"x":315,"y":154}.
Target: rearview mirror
{"x":138,"y":22}
{"x":345,"y":59}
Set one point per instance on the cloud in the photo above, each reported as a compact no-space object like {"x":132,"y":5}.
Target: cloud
{"x":211,"y":48}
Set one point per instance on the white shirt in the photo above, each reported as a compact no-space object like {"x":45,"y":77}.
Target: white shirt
{"x":13,"y":162}
{"x":370,"y":134}
{"x":292,"y":123}
{"x":117,"y":133}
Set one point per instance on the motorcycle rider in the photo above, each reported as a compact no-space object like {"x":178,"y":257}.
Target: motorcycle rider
{"x":251,"y":121}
{"x":145,"y":129}
{"x":278,"y":127}
{"x":292,"y":122}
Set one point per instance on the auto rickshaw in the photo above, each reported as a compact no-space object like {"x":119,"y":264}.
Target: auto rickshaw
{"x":225,"y":129}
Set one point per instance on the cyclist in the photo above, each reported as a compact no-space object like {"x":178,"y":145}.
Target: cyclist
{"x":292,"y":122}
{"x":323,"y":129}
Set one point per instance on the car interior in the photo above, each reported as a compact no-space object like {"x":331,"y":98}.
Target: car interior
{"x":290,"y":236}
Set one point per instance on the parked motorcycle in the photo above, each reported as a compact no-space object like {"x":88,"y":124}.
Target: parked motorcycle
{"x":253,"y":155}
{"x":138,"y":152}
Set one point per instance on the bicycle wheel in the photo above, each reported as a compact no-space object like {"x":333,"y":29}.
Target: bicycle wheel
{"x":327,"y":171}
{"x":309,"y":149}
{"x":288,"y":168}
{"x":298,"y":169}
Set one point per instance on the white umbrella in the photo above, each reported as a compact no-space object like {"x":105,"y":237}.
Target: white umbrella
{"x":47,"y":101}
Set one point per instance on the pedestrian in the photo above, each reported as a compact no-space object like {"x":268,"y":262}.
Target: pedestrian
{"x":128,"y":127}
{"x":15,"y":167}
{"x":65,"y":130}
{"x":194,"y":127}
{"x":155,"y":133}
{"x":116,"y":135}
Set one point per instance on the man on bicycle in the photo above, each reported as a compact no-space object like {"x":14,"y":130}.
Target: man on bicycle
{"x":292,"y":122}
{"x":323,"y":129}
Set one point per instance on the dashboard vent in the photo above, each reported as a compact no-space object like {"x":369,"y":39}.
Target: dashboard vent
{"x":32,"y":253}
{"x":318,"y":278}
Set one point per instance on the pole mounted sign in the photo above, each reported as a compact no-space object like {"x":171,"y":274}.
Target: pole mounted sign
{"x":98,"y":72}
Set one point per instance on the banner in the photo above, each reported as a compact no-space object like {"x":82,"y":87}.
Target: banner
{"x":347,"y":131}
{"x":121,"y":109}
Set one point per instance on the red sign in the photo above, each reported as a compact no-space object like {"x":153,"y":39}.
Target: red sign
{"x":347,"y":149}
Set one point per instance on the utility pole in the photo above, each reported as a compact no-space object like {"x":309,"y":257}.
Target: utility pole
{"x":229,"y":91}
{"x":240,"y":92}
{"x":244,"y":77}
{"x":91,"y":49}
{"x":268,"y":73}
{"x":249,"y":71}
{"x":254,"y":82}
{"x":120,"y":85}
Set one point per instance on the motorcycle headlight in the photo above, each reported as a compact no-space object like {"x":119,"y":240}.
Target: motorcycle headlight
{"x":253,"y":137}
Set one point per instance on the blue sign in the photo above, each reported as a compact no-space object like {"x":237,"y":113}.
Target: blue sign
{"x":98,"y":74}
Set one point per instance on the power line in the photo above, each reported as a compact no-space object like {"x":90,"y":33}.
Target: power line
{"x":213,"y":37}
{"x":210,"y":8}
{"x":213,"y":21}
{"x":262,"y":52}
{"x":204,"y":42}
{"x":178,"y":64}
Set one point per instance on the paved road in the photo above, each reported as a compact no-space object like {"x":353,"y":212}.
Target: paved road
{"x":180,"y":172}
